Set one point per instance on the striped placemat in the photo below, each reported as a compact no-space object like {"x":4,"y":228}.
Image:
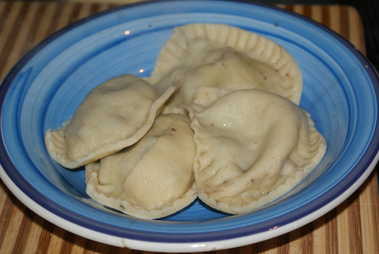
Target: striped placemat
{"x":350,"y":228}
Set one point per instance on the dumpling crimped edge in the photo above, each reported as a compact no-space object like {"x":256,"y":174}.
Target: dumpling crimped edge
{"x":276,"y":193}
{"x":127,"y":208}
{"x":280,"y":191}
{"x":253,"y":45}
{"x":54,"y":140}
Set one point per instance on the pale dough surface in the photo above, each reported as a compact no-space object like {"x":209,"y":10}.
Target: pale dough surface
{"x":152,"y":179}
{"x":252,"y":147}
{"x":225,"y":57}
{"x":114,"y":115}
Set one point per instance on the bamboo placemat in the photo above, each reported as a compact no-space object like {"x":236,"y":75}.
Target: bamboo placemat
{"x":350,"y":228}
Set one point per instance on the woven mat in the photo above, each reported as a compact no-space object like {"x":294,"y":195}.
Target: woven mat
{"x":350,"y":228}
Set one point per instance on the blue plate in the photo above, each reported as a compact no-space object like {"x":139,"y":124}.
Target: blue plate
{"x":43,"y":90}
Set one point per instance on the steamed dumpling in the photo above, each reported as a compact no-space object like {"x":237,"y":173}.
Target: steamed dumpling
{"x":224,"y":56}
{"x":151,"y":179}
{"x":252,"y":147}
{"x":113,"y":116}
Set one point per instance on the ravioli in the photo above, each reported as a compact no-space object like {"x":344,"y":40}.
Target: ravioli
{"x":252,"y":147}
{"x":114,"y":115}
{"x":224,"y":56}
{"x":153,"y":178}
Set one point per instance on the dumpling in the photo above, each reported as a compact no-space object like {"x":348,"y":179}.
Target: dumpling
{"x":114,"y":115}
{"x":251,"y":147}
{"x":152,"y":179}
{"x":231,"y":71}
{"x":220,"y":55}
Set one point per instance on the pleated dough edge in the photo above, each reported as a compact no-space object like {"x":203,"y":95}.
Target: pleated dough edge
{"x":124,"y":206}
{"x":280,"y":191}
{"x":54,"y":139}
{"x":253,"y":45}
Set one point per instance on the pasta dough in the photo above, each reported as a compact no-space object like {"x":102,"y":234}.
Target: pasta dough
{"x":225,"y":57}
{"x":114,"y":115}
{"x":231,"y":71}
{"x":152,"y":179}
{"x":252,"y":146}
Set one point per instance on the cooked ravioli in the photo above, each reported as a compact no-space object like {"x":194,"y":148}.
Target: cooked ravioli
{"x":230,"y":71}
{"x":224,"y":56}
{"x":153,"y":178}
{"x":114,"y":115}
{"x":252,"y":147}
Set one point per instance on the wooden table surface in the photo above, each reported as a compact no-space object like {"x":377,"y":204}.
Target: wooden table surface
{"x":350,"y":228}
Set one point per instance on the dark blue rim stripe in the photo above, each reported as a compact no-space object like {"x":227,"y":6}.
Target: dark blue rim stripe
{"x":358,"y":170}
